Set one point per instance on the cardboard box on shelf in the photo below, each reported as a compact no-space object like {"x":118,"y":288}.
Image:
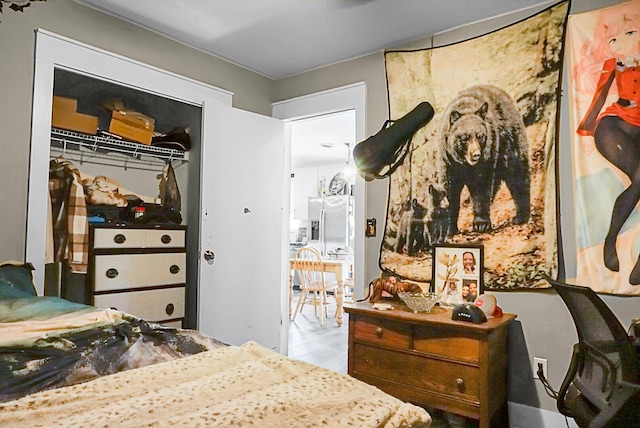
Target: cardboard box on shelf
{"x":134,"y":118}
{"x":72,"y":121}
{"x":132,"y":126}
{"x":64,"y":103}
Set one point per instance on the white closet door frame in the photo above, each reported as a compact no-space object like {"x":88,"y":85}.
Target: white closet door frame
{"x":347,"y":97}
{"x":55,"y":51}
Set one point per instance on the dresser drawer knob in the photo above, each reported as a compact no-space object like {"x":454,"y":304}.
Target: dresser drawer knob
{"x":169,"y":309}
{"x":174,"y":269}
{"x":112,"y":273}
{"x":165,"y":239}
{"x":379,"y":332}
{"x":119,"y":238}
{"x":460,"y":383}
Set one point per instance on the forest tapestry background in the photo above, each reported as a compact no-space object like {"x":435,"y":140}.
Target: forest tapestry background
{"x":515,"y":68}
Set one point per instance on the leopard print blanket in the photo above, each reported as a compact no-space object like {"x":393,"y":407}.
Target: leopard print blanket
{"x":233,"y":386}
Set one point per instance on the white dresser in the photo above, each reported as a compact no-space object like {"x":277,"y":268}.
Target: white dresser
{"x":140,"y":270}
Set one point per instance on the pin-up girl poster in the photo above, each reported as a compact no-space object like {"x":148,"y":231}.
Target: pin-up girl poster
{"x":604,"y":63}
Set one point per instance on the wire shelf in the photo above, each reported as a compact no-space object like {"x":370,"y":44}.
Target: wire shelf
{"x":111,"y":151}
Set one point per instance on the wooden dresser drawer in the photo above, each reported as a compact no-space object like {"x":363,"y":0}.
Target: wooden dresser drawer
{"x":458,"y":381}
{"x":432,"y":360}
{"x":124,"y":271}
{"x":382,"y":332}
{"x":138,"y":238}
{"x":150,"y":305}
{"x":446,"y":343}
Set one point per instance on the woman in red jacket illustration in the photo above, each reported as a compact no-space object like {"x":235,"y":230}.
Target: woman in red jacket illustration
{"x":616,"y":129}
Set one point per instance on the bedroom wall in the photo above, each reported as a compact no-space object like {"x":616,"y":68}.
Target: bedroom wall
{"x":544,"y":327}
{"x":70,"y":19}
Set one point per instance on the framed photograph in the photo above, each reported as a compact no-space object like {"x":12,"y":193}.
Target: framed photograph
{"x":457,"y":273}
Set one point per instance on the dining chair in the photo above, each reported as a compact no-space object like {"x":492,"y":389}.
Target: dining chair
{"x":313,"y":287}
{"x":349,"y":290}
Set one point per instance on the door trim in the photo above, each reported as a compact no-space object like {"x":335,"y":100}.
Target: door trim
{"x":330,"y":101}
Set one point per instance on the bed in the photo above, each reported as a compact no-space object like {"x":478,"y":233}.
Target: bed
{"x":66,"y":364}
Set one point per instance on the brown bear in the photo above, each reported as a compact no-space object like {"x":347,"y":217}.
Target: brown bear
{"x":484,"y":144}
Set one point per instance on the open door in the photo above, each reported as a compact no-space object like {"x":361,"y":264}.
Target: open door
{"x":242,"y":252}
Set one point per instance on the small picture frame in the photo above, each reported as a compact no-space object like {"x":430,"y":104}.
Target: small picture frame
{"x":457,"y":273}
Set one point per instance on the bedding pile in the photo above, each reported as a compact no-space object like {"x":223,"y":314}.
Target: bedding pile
{"x":48,"y":342}
{"x":231,"y":386}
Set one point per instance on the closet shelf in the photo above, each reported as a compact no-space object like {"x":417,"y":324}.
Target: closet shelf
{"x":111,"y":151}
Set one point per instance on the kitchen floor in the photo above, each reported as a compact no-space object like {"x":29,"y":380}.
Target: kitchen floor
{"x":325,"y":346}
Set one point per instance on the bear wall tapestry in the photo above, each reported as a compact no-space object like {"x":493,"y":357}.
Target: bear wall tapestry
{"x":483,"y":170}
{"x":604,"y":73}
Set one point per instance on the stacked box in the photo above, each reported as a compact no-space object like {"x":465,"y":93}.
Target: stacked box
{"x":65,"y":116}
{"x":132,"y":126}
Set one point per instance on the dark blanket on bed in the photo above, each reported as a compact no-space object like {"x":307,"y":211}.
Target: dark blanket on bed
{"x":48,"y":342}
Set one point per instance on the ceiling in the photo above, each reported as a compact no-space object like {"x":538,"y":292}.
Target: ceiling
{"x":281,"y":38}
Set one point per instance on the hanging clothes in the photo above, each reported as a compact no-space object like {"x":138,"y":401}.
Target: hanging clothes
{"x":69,"y":225}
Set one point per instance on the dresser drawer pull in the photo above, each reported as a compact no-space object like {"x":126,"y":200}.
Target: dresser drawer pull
{"x":379,"y":332}
{"x":460,"y":383}
{"x":165,"y":239}
{"x":112,"y":273}
{"x":119,"y":238}
{"x":169,"y":309}
{"x":174,"y":269}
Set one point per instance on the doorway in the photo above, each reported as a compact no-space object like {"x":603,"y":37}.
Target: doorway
{"x":346,"y":103}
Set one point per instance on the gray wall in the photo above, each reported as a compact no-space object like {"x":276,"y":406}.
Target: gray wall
{"x":544,"y":327}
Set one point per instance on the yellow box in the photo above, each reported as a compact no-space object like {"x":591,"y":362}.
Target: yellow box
{"x":131,"y":132}
{"x":72,"y":121}
{"x":134,"y":118}
{"x":64,"y":103}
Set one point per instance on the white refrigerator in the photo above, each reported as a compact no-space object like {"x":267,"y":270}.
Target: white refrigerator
{"x":330,"y":223}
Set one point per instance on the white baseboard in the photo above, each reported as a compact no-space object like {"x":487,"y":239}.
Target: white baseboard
{"x":521,"y":416}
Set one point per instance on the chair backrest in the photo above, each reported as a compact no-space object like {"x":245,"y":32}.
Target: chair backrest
{"x":600,"y":389}
{"x":308,"y":265}
{"x":593,"y":319}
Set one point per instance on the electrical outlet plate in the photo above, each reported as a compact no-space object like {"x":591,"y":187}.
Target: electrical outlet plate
{"x":543,"y":362}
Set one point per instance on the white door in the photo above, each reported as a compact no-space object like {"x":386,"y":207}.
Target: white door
{"x":244,"y":194}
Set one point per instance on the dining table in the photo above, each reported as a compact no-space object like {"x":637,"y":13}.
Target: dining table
{"x":339,"y":267}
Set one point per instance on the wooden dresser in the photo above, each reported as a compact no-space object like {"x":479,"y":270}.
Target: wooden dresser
{"x":139,"y":270}
{"x":432,"y":361}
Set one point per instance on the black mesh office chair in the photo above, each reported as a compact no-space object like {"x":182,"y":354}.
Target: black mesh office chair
{"x":601,"y":386}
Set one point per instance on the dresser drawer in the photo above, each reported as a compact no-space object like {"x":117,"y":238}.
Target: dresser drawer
{"x":382,"y":332}
{"x":122,"y":271}
{"x":150,"y":305}
{"x":446,"y":343}
{"x":138,"y":238}
{"x":458,"y":381}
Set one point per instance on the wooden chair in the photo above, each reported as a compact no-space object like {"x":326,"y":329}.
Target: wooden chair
{"x":313,"y":287}
{"x":349,"y":290}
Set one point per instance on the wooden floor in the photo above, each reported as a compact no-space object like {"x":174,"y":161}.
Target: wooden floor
{"x":325,"y":346}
